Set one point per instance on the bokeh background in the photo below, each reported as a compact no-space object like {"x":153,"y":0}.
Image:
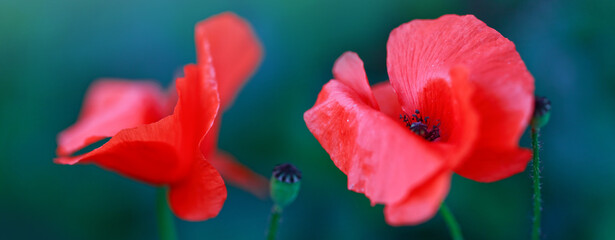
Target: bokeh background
{"x":50,"y":51}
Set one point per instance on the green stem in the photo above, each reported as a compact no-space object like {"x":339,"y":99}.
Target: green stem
{"x":452,"y":224}
{"x":166,"y":226}
{"x":274,"y":222}
{"x":536,"y":178}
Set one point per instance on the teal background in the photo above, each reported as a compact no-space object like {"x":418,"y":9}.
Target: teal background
{"x":50,"y":51}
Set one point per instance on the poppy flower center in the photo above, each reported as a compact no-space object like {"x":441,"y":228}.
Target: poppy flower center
{"x":421,"y":126}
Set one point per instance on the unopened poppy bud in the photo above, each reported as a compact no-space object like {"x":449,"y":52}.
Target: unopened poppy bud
{"x":285,"y":184}
{"x":542,"y":112}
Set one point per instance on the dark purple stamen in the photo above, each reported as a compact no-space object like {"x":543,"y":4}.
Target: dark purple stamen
{"x":420,"y":126}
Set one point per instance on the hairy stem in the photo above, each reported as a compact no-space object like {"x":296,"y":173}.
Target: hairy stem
{"x":536,"y":178}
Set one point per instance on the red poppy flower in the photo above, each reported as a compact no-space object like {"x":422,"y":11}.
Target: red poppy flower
{"x":150,"y":145}
{"x":458,"y":100}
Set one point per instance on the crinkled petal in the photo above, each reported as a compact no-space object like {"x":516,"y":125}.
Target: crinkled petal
{"x":110,"y":106}
{"x":380,"y":157}
{"x":421,"y":204}
{"x":236,"y":52}
{"x":349,"y":70}
{"x":422,"y":51}
{"x":239,"y":175}
{"x":200,"y":195}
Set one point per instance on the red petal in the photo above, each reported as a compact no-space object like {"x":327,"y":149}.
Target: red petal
{"x":381,"y":158}
{"x":496,"y":154}
{"x":489,"y":164}
{"x":424,"y":50}
{"x":240,"y":175}
{"x":110,"y":106}
{"x":420,"y":204}
{"x":236,"y":52}
{"x":198,"y":103}
{"x":201,"y":195}
{"x":387,"y":99}
{"x":162,"y":152}
{"x":464,"y":134}
{"x":146,"y":153}
{"x":349,"y":70}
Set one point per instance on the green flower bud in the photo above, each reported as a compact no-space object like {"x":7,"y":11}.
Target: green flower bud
{"x":285,"y":183}
{"x":542,"y":112}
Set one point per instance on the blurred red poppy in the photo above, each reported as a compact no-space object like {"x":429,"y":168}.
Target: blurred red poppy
{"x":458,"y":100}
{"x":178,"y":150}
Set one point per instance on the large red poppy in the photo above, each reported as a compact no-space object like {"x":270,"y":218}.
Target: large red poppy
{"x":178,"y":150}
{"x":458,"y":100}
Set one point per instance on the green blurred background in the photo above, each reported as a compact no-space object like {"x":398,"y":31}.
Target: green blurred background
{"x":50,"y":51}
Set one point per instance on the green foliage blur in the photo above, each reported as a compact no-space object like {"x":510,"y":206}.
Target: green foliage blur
{"x":50,"y":51}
